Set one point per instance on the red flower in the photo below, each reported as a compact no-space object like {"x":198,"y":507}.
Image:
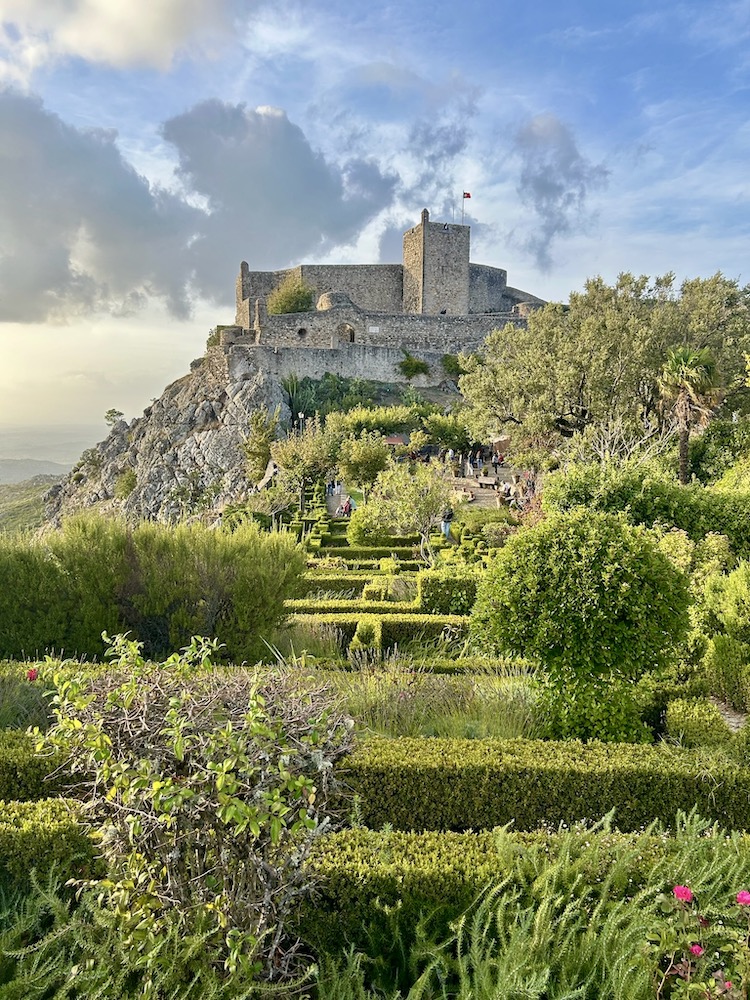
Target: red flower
{"x":682,"y":893}
{"x":32,"y":674}
{"x":743,"y":898}
{"x":695,"y":949}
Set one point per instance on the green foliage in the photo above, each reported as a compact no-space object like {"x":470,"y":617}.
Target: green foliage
{"x":719,"y":447}
{"x":361,"y":459}
{"x":446,"y":592}
{"x":366,"y":527}
{"x":411,"y":366}
{"x":451,"y":365}
{"x":585,"y":593}
{"x":43,"y":835}
{"x":335,"y":394}
{"x":214,"y":337}
{"x":112,"y":416}
{"x":305,"y":456}
{"x":261,"y":433}
{"x":727,"y":664}
{"x":736,"y":479}
{"x":208,"y":789}
{"x":558,"y":916}
{"x":368,"y":635}
{"x":647,"y":495}
{"x":397,"y":629}
{"x":26,"y":775}
{"x":412,"y":500}
{"x":696,"y":723}
{"x":417,"y":784}
{"x":448,"y":430}
{"x":24,"y":701}
{"x":22,"y":504}
{"x":597,"y":361}
{"x":125,"y":484}
{"x":378,"y":419}
{"x":165,"y":584}
{"x":691,"y":387}
{"x":293,"y":295}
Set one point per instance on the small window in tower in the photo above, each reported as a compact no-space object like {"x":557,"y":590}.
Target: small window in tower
{"x":302,"y":333}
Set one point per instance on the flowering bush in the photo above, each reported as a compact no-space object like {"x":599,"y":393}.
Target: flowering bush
{"x":701,"y":957}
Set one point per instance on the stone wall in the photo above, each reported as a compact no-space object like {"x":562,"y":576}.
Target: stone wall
{"x":413,"y":267}
{"x":345,"y":326}
{"x":487,"y":287}
{"x":445,"y":282}
{"x":363,"y":361}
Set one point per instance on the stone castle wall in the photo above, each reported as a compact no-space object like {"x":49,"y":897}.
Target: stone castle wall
{"x":365,"y":361}
{"x":445,"y":273}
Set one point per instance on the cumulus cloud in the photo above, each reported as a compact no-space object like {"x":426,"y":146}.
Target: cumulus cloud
{"x":114,"y":32}
{"x":80,"y":230}
{"x":272,"y":198}
{"x":555,"y":182}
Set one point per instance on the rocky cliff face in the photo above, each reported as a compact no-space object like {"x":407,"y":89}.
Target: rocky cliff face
{"x":184,"y":454}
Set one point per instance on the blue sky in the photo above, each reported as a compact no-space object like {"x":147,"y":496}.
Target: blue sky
{"x":147,"y":148}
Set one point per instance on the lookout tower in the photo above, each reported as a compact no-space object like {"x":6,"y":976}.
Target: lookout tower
{"x":436,"y":268}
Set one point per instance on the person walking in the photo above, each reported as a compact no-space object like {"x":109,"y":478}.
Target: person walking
{"x":445,"y":523}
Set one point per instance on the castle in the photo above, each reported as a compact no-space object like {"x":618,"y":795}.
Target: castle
{"x":436,"y":302}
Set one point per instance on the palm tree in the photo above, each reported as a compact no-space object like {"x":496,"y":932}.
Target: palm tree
{"x":690,"y":385}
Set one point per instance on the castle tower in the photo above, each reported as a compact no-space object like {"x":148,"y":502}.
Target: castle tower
{"x":436,"y":268}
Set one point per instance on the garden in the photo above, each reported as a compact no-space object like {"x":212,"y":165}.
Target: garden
{"x":360,"y":758}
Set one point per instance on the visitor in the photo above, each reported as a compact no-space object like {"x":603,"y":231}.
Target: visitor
{"x":495,"y":460}
{"x":346,"y":508}
{"x":445,"y":523}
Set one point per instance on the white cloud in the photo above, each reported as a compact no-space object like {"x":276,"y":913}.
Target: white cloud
{"x":114,"y":32}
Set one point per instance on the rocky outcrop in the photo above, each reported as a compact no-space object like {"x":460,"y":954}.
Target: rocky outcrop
{"x":184,"y":454}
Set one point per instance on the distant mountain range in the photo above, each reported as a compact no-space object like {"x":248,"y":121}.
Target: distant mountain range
{"x":18,"y":470}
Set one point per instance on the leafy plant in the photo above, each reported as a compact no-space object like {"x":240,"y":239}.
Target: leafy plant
{"x":411,"y":366}
{"x":208,"y":789}
{"x":293,"y":295}
{"x":596,"y":603}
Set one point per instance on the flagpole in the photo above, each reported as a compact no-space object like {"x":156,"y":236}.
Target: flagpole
{"x":463,"y":202}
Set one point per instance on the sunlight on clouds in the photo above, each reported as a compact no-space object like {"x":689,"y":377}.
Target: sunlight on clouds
{"x":114,"y":32}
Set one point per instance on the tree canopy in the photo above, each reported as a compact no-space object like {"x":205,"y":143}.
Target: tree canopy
{"x":597,"y":361}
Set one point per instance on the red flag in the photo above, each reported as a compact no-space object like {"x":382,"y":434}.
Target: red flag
{"x":467,"y":194}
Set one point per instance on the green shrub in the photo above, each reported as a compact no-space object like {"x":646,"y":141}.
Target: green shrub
{"x":595,"y":602}
{"x":293,"y":295}
{"x":451,"y":365}
{"x":208,"y":787}
{"x":446,"y":591}
{"x":648,"y":495}
{"x":327,"y":583}
{"x":357,"y":605}
{"x":26,"y":775}
{"x":43,"y":835}
{"x":24,"y":702}
{"x":365,"y":528}
{"x":727,"y":663}
{"x":412,"y":366}
{"x":163,"y":584}
{"x":440,"y":784}
{"x":696,"y":723}
{"x":126,"y":483}
{"x":368,"y":635}
{"x":397,"y":629}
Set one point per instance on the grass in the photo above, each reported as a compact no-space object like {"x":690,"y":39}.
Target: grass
{"x":386,"y":699}
{"x":21,"y":505}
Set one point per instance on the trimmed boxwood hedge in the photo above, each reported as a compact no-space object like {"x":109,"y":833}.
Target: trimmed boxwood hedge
{"x":342,"y":582}
{"x":355,"y":606}
{"x":444,"y":784}
{"x":362,"y":875}
{"x":41,"y":835}
{"x":397,"y":628}
{"x":370,"y":551}
{"x":25,"y":774}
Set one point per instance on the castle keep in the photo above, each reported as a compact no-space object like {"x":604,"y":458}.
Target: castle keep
{"x":436,"y":302}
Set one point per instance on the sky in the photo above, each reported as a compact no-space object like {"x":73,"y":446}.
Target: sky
{"x":146,"y":148}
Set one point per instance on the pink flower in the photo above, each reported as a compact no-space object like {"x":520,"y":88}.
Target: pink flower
{"x":31,"y":675}
{"x":695,"y":949}
{"x":743,"y":898}
{"x":683,"y":893}
{"x":728,"y":984}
